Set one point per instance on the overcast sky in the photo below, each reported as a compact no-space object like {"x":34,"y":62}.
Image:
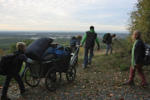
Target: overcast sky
{"x":65,"y":15}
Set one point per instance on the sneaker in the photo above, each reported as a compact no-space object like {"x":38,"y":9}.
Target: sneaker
{"x":129,"y":83}
{"x":5,"y":98}
{"x":84,"y":66}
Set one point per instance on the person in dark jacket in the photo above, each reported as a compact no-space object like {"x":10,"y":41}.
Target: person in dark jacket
{"x":89,"y":38}
{"x":73,"y":43}
{"x":138,"y":53}
{"x":14,"y":70}
{"x":109,"y":43}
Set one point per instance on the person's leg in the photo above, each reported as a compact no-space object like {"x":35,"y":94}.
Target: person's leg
{"x":110,"y":48}
{"x":131,"y":77}
{"x":141,"y":74}
{"x":91,"y":55}
{"x":5,"y":87}
{"x":85,"y":57}
{"x":132,"y":74}
{"x":107,"y":49}
{"x":20,"y":83}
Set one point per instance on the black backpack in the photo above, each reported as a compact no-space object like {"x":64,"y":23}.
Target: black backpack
{"x":106,"y":37}
{"x":90,"y":40}
{"x":6,"y":63}
{"x":147,"y":55}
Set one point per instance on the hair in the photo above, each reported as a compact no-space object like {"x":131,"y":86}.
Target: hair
{"x":73,"y":37}
{"x":114,"y":35}
{"x":138,"y":34}
{"x":79,"y":37}
{"x":20,"y":45}
{"x":91,"y":27}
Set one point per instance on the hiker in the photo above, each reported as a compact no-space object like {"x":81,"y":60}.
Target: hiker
{"x":79,"y":37}
{"x":14,"y":69}
{"x":107,"y":39}
{"x":73,"y":42}
{"x":89,"y":39}
{"x":138,"y":53}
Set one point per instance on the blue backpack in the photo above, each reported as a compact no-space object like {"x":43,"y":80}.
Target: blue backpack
{"x":58,"y":51}
{"x":61,"y":51}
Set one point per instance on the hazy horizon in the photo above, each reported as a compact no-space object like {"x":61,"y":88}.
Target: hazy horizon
{"x":45,"y":31}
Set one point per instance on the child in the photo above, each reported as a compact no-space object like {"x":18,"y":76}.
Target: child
{"x":13,"y":71}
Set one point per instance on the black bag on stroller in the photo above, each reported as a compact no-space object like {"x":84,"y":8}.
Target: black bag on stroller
{"x":60,"y":54}
{"x":36,"y":49}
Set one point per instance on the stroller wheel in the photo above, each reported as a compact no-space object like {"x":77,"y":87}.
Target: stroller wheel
{"x":31,"y":79}
{"x":71,"y":74}
{"x":51,"y":80}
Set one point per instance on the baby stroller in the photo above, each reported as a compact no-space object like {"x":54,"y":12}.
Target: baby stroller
{"x":48,"y":67}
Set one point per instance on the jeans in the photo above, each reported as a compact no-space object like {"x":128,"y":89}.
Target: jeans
{"x":108,"y":47}
{"x":87,"y":57}
{"x":7,"y":81}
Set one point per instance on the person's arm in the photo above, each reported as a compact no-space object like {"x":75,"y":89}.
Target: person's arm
{"x":25,"y":59}
{"x":83,"y":39}
{"x":97,"y":41}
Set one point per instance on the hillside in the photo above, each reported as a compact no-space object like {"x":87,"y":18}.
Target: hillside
{"x":101,"y":81}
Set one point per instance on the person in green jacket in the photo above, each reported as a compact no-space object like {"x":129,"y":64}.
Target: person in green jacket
{"x":89,"y":39}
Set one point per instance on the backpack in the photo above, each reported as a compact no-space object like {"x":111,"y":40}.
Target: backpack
{"x":147,"y":55}
{"x":106,"y":37}
{"x":62,"y":51}
{"x":6,"y":63}
{"x":90,"y":40}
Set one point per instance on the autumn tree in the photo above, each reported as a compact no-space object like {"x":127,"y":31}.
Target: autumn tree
{"x":140,"y":19}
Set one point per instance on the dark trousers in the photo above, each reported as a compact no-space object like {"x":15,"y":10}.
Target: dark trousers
{"x":7,"y":81}
{"x":140,"y":72}
{"x":108,"y":47}
{"x":88,"y":54}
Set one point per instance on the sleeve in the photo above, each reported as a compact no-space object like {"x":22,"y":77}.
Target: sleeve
{"x":83,"y":39}
{"x":97,"y":41}
{"x":25,"y":59}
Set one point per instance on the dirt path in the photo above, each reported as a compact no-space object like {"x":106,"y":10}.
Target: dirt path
{"x":98,"y":82}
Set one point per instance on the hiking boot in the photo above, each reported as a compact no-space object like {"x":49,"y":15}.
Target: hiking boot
{"x":84,"y":66}
{"x":5,"y":98}
{"x":144,"y":84}
{"x":129,"y":83}
{"x":22,"y":92}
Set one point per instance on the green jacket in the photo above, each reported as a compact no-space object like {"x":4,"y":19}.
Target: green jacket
{"x":85,"y":36}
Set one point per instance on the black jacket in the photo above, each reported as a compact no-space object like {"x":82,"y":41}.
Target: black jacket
{"x":139,"y":52}
{"x":17,"y":63}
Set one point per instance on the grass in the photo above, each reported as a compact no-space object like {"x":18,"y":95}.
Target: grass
{"x":101,"y":81}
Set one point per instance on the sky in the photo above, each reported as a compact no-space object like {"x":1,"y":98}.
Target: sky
{"x":65,"y":15}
